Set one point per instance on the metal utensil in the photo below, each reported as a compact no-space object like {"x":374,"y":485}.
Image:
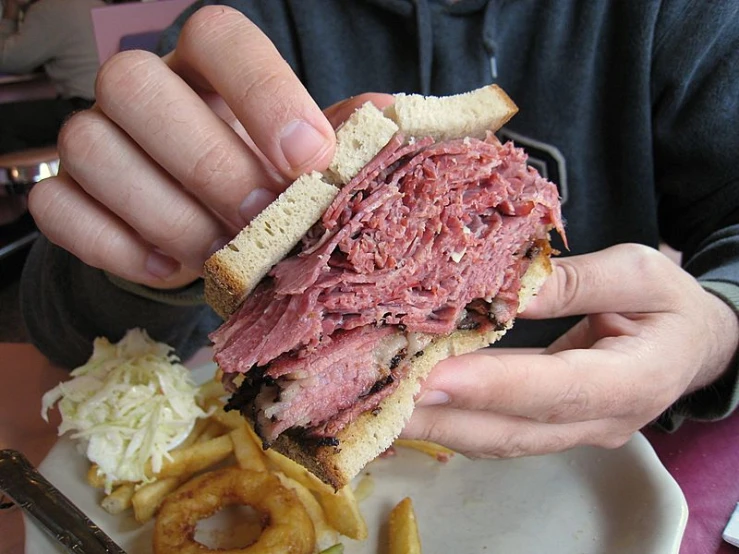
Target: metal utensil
{"x":19,"y":171}
{"x":53,"y":511}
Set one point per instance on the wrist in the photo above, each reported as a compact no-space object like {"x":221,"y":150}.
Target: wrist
{"x":723,"y":336}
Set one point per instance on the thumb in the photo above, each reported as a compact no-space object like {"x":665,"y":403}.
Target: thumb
{"x":340,"y":112}
{"x":626,"y":278}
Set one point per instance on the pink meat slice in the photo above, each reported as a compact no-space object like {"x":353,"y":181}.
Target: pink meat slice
{"x":419,"y":234}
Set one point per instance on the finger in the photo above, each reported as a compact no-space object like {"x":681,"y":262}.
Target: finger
{"x":178,"y":130}
{"x":623,"y":278}
{"x":490,"y":435}
{"x":566,"y":387}
{"x":340,"y":112}
{"x":74,"y":221}
{"x":143,"y":195}
{"x":221,"y":47}
{"x":591,"y":329}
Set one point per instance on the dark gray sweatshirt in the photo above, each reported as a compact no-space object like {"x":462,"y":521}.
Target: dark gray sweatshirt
{"x":629,"y":106}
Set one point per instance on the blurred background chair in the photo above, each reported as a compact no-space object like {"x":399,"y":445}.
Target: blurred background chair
{"x":19,"y":171}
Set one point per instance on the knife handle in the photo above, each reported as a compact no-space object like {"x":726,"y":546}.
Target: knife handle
{"x":54,"y":512}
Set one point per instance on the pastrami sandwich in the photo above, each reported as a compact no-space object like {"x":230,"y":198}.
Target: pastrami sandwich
{"x":422,"y":240}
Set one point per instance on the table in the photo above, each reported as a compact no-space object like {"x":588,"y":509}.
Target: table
{"x":12,"y":78}
{"x":27,"y":86}
{"x":703,"y":458}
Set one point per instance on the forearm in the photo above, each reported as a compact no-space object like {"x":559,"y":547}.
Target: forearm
{"x":714,"y":394}
{"x":66,"y":304}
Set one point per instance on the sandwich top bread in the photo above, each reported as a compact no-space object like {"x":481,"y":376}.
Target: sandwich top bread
{"x":422,"y":240}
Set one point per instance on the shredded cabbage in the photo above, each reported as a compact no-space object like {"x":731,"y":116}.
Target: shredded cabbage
{"x":130,"y":403}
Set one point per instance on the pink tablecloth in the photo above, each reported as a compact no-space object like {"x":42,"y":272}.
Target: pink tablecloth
{"x":704,"y":460}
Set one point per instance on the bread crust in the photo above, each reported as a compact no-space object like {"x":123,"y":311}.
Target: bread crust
{"x":372,"y":433}
{"x":234,"y":270}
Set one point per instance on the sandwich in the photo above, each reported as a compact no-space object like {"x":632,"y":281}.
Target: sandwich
{"x":423,"y":239}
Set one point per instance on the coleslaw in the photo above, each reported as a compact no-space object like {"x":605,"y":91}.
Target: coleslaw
{"x":129,"y":404}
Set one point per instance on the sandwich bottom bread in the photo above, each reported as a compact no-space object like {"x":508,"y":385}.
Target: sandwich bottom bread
{"x":423,"y":239}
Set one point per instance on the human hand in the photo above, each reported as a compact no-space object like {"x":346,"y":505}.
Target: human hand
{"x":180,"y":153}
{"x":652,"y":334}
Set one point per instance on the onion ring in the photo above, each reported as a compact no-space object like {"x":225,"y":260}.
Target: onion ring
{"x":289,"y":528}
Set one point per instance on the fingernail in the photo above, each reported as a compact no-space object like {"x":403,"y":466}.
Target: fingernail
{"x":160,"y":265}
{"x":219,"y":243}
{"x":301,"y":143}
{"x":254,"y":203}
{"x":433,"y":398}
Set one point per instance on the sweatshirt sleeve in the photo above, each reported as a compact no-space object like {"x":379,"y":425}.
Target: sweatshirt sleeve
{"x":31,"y":44}
{"x":694,"y":94}
{"x":66,"y":304}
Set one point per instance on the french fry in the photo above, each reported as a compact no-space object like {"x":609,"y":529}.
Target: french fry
{"x":212,"y":430}
{"x":197,"y":430}
{"x":342,"y":513}
{"x":365,"y":487}
{"x":147,"y":499}
{"x":211,"y":389}
{"x":97,"y":479}
{"x":325,"y":534}
{"x":94,"y":477}
{"x":335,"y":549}
{"x":194,"y":458}
{"x":248,"y":453}
{"x":231,"y":419}
{"x":403,"y":529}
{"x":295,"y":471}
{"x":441,"y":453}
{"x":341,"y":507}
{"x":119,"y":500}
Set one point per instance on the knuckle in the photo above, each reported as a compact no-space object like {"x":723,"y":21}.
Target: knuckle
{"x":266,"y":85}
{"x":651,"y":266}
{"x":611,"y":433}
{"x":78,"y":138}
{"x":123,"y":76}
{"x":95,"y":248}
{"x":612,"y":441}
{"x":647,"y":261}
{"x":213,"y":167}
{"x":206,"y":22}
{"x":569,"y":284}
{"x":432,"y":430}
{"x":431,"y":424}
{"x":180,"y":219}
{"x":570,"y":404}
{"x":41,"y":200}
{"x":510,"y":445}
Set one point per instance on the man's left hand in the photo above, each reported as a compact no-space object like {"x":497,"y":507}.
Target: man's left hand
{"x":651,"y":334}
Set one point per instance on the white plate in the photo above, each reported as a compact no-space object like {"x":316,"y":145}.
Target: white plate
{"x":585,"y":501}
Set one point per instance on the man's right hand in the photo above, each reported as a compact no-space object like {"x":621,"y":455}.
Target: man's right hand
{"x":180,"y":153}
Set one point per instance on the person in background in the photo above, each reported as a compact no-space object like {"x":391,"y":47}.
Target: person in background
{"x":630,"y":106}
{"x":55,"y":35}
